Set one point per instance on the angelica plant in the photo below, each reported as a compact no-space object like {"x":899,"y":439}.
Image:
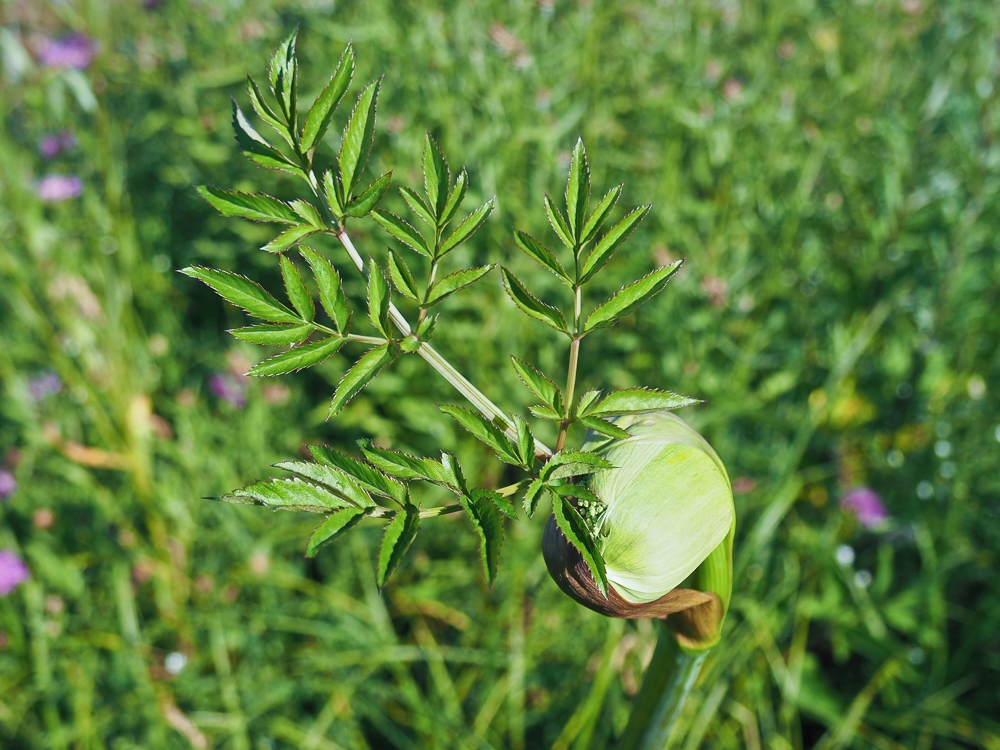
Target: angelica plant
{"x":641,"y":514}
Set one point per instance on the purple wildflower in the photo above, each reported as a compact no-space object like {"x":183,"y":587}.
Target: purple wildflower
{"x":8,"y":485}
{"x":229,"y":389}
{"x":44,"y":385}
{"x":865,"y":505}
{"x":13,"y":572}
{"x":54,"y":188}
{"x":73,"y":51}
{"x":54,"y":144}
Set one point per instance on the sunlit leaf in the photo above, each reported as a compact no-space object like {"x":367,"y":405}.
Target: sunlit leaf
{"x":401,"y":277}
{"x":244,"y":293}
{"x":255,"y":206}
{"x":288,"y":238}
{"x":455,"y":197}
{"x":298,"y":358}
{"x":530,"y":305}
{"x":378,"y":298}
{"x":632,"y":400}
{"x":577,"y":190}
{"x":364,"y":203}
{"x":577,"y":533}
{"x":333,"y":528}
{"x":358,"y":134}
{"x":558,"y":223}
{"x":321,"y":112}
{"x":485,"y":517}
{"x":540,"y":385}
{"x":628,"y":298}
{"x":335,"y":480}
{"x":541,"y":254}
{"x":455,"y":281}
{"x":331,"y":295}
{"x":467,"y":228}
{"x":402,"y":231}
{"x":397,"y":537}
{"x":281,"y":335}
{"x":600,"y":214}
{"x":370,"y":478}
{"x":361,"y":374}
{"x":437,"y":176}
{"x":298,"y":294}
{"x":486,"y":431}
{"x":287,"y":494}
{"x":610,"y":242}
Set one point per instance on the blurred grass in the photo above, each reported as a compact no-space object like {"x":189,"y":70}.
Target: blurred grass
{"x":829,"y":170}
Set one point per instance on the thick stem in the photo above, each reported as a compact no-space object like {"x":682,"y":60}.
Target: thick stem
{"x":668,"y":681}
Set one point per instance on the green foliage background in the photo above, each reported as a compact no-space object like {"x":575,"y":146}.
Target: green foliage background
{"x":830,"y":172}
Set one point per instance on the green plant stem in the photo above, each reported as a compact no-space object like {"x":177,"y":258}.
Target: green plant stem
{"x":574,"y":359}
{"x":668,"y":681}
{"x":476,"y":397}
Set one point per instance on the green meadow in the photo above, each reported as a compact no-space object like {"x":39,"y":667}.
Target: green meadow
{"x":829,"y":171}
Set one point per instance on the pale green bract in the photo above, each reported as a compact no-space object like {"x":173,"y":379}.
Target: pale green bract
{"x":669,"y":504}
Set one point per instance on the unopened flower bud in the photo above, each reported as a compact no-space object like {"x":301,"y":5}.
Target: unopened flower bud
{"x":666,"y":535}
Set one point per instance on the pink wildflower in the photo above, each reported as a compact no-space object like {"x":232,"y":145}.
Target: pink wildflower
{"x":73,"y":51}
{"x":865,"y":505}
{"x":54,"y":188}
{"x":8,"y":485}
{"x":53,"y":144}
{"x":13,"y":572}
{"x":229,"y":389}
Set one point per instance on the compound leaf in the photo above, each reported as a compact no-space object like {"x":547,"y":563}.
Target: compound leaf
{"x":402,"y":231}
{"x":610,"y":242}
{"x":600,"y":214}
{"x":331,"y":294}
{"x":298,"y":358}
{"x":280,"y":335}
{"x":401,"y":277}
{"x":418,"y":206}
{"x":467,"y":228}
{"x":485,"y":516}
{"x":333,"y":528}
{"x":370,"y":478}
{"x":337,"y":481}
{"x":287,"y":494}
{"x":629,"y":297}
{"x":396,"y":540}
{"x":321,"y":112}
{"x":358,"y":134}
{"x":455,"y":281}
{"x":361,"y":374}
{"x":288,"y":238}
{"x":632,"y":400}
{"x":577,"y":191}
{"x":244,"y":293}
{"x":437,"y":176}
{"x":541,"y":254}
{"x":558,"y":223}
{"x":541,"y":386}
{"x":486,"y":431}
{"x":296,"y":288}
{"x":530,"y":305}
{"x":455,"y":197}
{"x":362,"y":205}
{"x":254,"y":206}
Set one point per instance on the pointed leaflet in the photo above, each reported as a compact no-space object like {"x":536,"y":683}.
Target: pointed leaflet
{"x":418,"y":206}
{"x":573,"y":464}
{"x":639,"y":399}
{"x":587,"y":400}
{"x":274,"y":335}
{"x":333,"y":528}
{"x":361,"y":374}
{"x":298,"y":358}
{"x":288,"y":238}
{"x":577,"y":533}
{"x":467,"y":228}
{"x":287,"y":494}
{"x":255,"y":147}
{"x":502,"y":503}
{"x":525,"y":443}
{"x":630,"y":297}
{"x":558,"y":223}
{"x":333,"y":189}
{"x":361,"y":206}
{"x":531,"y":306}
{"x":357,"y":140}
{"x":402,"y":231}
{"x":541,"y":254}
{"x":242,"y":292}
{"x":455,"y":281}
{"x":298,"y":294}
{"x":538,"y":384}
{"x":401,"y":277}
{"x":337,"y":481}
{"x":378,"y":298}
{"x":267,"y":114}
{"x":600,"y":215}
{"x":605,"y":428}
{"x":531,"y":495}
{"x":396,"y":539}
{"x":485,"y":517}
{"x":331,"y":295}
{"x":283,"y":73}
{"x":254,"y":206}
{"x":308,"y":213}
{"x":486,"y":431}
{"x":456,"y":197}
{"x":437,"y":176}
{"x":370,"y":478}
{"x":610,"y":242}
{"x":406,"y":466}
{"x":545,"y":412}
{"x":321,"y":112}
{"x":577,"y":191}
